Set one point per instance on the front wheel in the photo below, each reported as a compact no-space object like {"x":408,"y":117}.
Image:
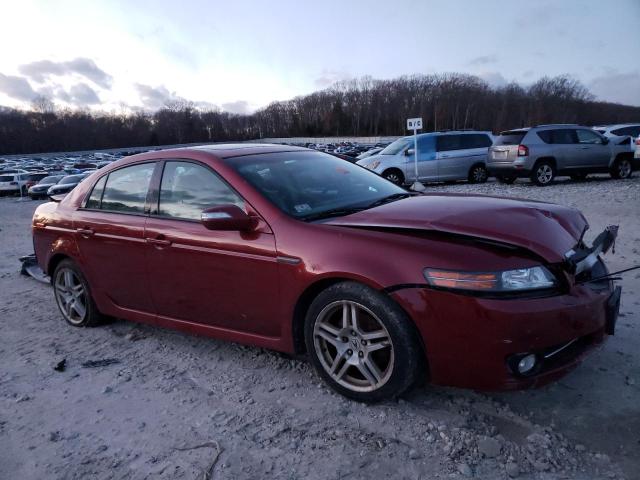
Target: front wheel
{"x":394,"y":176}
{"x":362,"y":344}
{"x":621,"y":168}
{"x":73,"y":296}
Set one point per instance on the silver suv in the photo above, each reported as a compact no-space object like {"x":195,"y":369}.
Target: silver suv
{"x":442,"y":156}
{"x":543,"y":152}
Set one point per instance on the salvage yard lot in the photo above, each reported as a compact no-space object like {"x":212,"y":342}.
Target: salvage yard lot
{"x":178,"y":406}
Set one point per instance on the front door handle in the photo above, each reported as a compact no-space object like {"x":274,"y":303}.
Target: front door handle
{"x":158,"y":242}
{"x":85,"y":232}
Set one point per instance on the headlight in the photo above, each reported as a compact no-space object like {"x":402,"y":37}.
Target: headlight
{"x":373,"y":165}
{"x":522,"y":279}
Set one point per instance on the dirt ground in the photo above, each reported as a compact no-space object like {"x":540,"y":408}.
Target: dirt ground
{"x":178,"y":406}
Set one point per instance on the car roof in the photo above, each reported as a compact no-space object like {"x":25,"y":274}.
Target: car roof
{"x":228,"y":150}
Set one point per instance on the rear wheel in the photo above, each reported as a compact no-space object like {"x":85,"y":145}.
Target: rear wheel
{"x":362,"y":344}
{"x":507,"y":179}
{"x":543,"y":174}
{"x":394,"y":176}
{"x":621,"y":168}
{"x":478,"y":174}
{"x":73,"y":296}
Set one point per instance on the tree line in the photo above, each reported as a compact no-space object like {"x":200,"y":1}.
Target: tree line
{"x":359,"y":107}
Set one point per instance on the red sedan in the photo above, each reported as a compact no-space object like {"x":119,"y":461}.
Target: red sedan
{"x":302,"y":252}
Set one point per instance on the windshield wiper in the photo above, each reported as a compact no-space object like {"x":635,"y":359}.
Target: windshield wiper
{"x":341,"y":211}
{"x":390,"y":198}
{"x":334,"y":212}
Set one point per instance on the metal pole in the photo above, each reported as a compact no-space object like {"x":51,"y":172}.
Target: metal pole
{"x":415,"y":151}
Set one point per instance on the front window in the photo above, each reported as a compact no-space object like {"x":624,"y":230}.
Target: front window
{"x":588,"y":136}
{"x":306,"y":185}
{"x":188,"y":188}
{"x":397,"y":146}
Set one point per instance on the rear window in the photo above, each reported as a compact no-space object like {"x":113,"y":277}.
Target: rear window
{"x":53,"y":179}
{"x":6,"y":178}
{"x":510,"y":137}
{"x":634,"y":131}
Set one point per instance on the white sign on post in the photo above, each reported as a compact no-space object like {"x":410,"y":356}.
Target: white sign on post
{"x":415,"y":124}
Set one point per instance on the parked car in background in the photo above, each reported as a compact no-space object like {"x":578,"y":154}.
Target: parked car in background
{"x":40,"y":189}
{"x":442,"y":156}
{"x":368,"y":153}
{"x":34,"y":178}
{"x":543,"y":152}
{"x":280,"y":247}
{"x":13,"y":183}
{"x":67,"y":184}
{"x":619,"y":130}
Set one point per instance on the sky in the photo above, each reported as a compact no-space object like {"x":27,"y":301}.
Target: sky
{"x":242,"y":55}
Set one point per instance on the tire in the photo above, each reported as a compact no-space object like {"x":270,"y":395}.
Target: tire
{"x":578,"y":177}
{"x":336,"y":345}
{"x":506,"y":179}
{"x":478,"y":174}
{"x":73,"y":296}
{"x":543,"y":173}
{"x":621,"y":168}
{"x":24,"y":191}
{"x":394,"y":176}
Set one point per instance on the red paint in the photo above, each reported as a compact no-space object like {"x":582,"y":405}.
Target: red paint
{"x":244,"y":286}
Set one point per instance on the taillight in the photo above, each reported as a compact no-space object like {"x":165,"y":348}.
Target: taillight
{"x":523,"y":150}
{"x":638,"y":141}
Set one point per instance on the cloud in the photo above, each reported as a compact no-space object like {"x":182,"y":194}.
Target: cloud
{"x":329,"y":77}
{"x":154,"y":98}
{"x":41,"y":70}
{"x":16,"y":87}
{"x":241,"y":106}
{"x":83,"y":94}
{"x":494,"y":79}
{"x":483,"y":60}
{"x":617,"y":88}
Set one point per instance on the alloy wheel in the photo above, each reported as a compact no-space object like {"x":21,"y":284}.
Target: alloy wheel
{"x":71,"y":295}
{"x":544,"y":174}
{"x":353,"y":346}
{"x":624,"y":168}
{"x":393,"y":177}
{"x":479,"y":174}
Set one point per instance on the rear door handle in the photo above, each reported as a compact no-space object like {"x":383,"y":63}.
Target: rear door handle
{"x":85,"y":232}
{"x":158,"y":242}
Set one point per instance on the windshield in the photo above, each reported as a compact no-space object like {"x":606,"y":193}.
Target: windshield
{"x":396,"y":147}
{"x":71,"y":179}
{"x":53,"y":179}
{"x":306,"y":184}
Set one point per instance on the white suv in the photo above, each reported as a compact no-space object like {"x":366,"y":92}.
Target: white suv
{"x":11,"y":183}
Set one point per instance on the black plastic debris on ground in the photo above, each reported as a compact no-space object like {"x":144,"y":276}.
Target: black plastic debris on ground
{"x":30,"y":268}
{"x":100,"y":363}
{"x":61,"y":365}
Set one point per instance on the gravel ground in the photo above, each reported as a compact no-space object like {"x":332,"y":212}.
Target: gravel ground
{"x":177,"y":406}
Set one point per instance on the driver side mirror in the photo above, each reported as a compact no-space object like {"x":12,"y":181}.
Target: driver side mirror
{"x":409,"y":152}
{"x":228,"y":217}
{"x":605,"y":140}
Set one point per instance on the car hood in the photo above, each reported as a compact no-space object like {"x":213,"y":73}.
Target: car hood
{"x":546,"y":229}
